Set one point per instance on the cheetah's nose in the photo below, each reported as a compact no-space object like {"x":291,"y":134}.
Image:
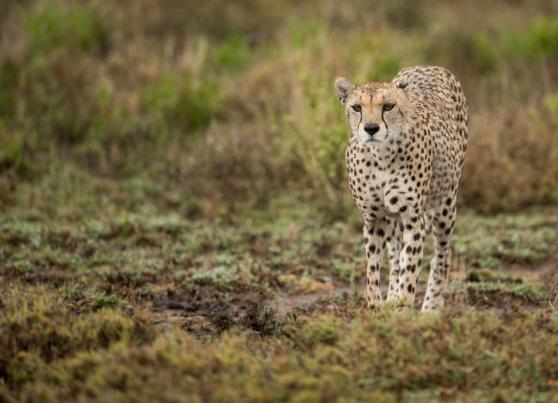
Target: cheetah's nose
{"x":371,"y":128}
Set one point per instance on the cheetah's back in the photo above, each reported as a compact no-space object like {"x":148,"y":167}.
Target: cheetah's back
{"x":441,"y":95}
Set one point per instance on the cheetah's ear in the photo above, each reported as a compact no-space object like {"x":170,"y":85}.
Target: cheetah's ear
{"x":403,"y":85}
{"x":343,"y":88}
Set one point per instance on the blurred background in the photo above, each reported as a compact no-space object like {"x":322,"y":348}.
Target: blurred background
{"x":175,"y":218}
{"x":208,"y":109}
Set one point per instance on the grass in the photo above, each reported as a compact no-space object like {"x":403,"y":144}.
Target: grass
{"x":487,"y":275}
{"x":175,"y":223}
{"x":186,"y":304}
{"x":324,"y":357}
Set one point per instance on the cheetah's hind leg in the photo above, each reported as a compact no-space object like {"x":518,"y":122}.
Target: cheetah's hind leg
{"x":443,"y":220}
{"x":410,"y":255}
{"x":393,"y":242}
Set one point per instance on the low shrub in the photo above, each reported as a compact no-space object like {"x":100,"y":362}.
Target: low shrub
{"x":56,"y":97}
{"x":37,"y":328}
{"x":57,"y":25}
{"x":510,"y":160}
{"x":540,"y":39}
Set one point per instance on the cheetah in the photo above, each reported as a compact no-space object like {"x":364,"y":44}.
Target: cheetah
{"x":404,"y":159}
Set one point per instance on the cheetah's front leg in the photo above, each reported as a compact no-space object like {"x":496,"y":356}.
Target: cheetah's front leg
{"x":374,"y":233}
{"x":410,"y":256}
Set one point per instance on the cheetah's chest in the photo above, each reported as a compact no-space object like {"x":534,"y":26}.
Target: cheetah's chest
{"x":367,"y":181}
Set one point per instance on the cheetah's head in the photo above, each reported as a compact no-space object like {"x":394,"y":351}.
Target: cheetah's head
{"x":375,"y":111}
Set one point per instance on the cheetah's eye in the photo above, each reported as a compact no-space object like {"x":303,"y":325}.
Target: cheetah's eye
{"x":388,"y":107}
{"x":356,"y":108}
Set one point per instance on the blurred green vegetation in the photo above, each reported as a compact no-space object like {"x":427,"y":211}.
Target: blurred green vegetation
{"x":232,"y":103}
{"x":57,"y":25}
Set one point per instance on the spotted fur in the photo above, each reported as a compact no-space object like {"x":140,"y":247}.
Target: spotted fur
{"x":404,"y":159}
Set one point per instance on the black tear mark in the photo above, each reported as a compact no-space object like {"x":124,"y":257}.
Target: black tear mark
{"x":359,"y":120}
{"x":387,"y":129}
